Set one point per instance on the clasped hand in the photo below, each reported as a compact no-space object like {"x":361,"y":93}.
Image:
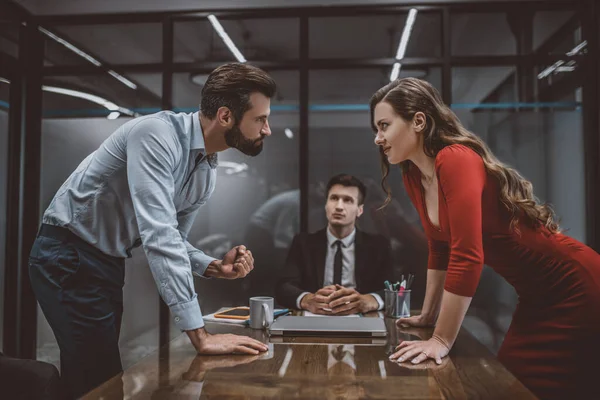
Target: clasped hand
{"x":338,"y":300}
{"x":237,"y":263}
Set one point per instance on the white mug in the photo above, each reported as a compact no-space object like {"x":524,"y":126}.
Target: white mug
{"x":261,"y":312}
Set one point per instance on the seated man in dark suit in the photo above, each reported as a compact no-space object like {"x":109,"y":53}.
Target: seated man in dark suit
{"x":338,"y":270}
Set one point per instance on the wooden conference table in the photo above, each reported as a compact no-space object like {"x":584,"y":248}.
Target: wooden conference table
{"x":315,"y":368}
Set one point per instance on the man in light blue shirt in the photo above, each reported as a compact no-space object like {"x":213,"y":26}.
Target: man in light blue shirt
{"x":144,"y":186}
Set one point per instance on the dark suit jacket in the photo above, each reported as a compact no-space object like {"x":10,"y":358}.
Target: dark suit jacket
{"x":304,"y":270}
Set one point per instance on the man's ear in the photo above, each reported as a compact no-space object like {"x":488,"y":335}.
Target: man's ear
{"x":361,"y":209}
{"x":419,"y":121}
{"x":225,"y":117}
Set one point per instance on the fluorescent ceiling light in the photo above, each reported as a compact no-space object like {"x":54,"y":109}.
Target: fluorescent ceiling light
{"x":226,"y":39}
{"x":575,"y":50}
{"x":566,"y":68}
{"x":82,"y":95}
{"x":408,"y":26}
{"x":395,"y":72}
{"x":109,"y":105}
{"x":410,"y":21}
{"x":71,"y":47}
{"x":560,"y":65}
{"x":122,"y":79}
{"x":116,"y":111}
{"x":85,"y":55}
{"x":288,"y":132}
{"x":550,"y":69}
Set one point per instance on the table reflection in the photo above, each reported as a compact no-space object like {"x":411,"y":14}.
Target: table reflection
{"x":311,"y":367}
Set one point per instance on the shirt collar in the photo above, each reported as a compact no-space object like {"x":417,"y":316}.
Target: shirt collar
{"x":346,"y":242}
{"x":197,"y":140}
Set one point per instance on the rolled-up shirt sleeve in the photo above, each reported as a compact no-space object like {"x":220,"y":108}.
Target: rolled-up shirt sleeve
{"x":198,"y":259}
{"x":153,"y":153}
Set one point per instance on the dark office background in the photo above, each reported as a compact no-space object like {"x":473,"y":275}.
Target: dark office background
{"x":490,"y":61}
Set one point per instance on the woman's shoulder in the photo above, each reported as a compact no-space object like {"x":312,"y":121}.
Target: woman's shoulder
{"x":458,"y":154}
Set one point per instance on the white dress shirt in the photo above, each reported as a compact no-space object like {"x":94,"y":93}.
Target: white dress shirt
{"x":348,"y":265}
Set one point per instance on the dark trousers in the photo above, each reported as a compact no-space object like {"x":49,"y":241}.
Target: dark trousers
{"x":80,"y":291}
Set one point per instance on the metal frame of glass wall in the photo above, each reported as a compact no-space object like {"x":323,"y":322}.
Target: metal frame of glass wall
{"x":26,"y":111}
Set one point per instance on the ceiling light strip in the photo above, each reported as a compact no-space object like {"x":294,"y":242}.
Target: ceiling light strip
{"x":408,"y":26}
{"x":86,"y":56}
{"x":109,"y":105}
{"x":395,"y":71}
{"x":226,"y":39}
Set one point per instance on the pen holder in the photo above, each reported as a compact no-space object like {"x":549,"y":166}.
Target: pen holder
{"x":397,"y":303}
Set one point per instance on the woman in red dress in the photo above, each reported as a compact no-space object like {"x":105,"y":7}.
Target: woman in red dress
{"x":476,"y":210}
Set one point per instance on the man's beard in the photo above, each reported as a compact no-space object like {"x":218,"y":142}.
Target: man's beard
{"x":234,"y":138}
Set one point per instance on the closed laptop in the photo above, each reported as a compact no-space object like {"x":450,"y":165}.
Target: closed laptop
{"x":328,"y":326}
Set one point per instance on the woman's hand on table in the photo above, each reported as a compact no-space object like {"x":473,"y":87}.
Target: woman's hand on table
{"x":418,"y":351}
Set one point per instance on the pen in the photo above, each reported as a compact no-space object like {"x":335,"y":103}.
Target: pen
{"x":411,"y":277}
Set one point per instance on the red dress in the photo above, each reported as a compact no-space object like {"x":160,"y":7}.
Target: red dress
{"x":553,"y":343}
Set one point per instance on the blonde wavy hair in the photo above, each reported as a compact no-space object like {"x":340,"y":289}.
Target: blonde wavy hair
{"x":408,"y":96}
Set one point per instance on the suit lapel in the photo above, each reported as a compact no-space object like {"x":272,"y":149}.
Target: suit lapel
{"x":360,"y":258}
{"x":320,"y":254}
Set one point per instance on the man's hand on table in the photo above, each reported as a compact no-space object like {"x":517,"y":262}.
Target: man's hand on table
{"x":205,"y":343}
{"x":346,"y":301}
{"x":237,"y":263}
